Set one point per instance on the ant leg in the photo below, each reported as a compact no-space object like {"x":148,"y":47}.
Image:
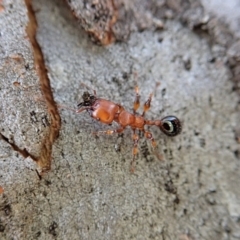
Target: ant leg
{"x":135,"y":138}
{"x":147,"y":104}
{"x":149,"y":136}
{"x":136,"y":103}
{"x":110,"y":132}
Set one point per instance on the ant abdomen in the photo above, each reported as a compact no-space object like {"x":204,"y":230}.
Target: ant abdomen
{"x":170,"y":125}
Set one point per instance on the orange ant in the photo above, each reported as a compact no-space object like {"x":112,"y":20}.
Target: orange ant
{"x":107,"y":111}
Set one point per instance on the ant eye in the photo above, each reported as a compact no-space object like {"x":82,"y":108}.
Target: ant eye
{"x":171,"y":126}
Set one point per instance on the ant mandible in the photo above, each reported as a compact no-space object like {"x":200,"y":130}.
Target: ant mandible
{"x":107,"y":111}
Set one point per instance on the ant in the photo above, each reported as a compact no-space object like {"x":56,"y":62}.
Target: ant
{"x":107,"y":112}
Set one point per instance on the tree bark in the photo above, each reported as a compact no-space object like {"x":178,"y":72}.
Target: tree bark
{"x":188,"y":188}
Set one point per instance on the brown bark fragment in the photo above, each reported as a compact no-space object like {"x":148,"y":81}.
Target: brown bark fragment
{"x":97,"y":18}
{"x":44,"y":161}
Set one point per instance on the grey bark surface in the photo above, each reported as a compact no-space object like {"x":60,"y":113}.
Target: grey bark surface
{"x":19,"y":84}
{"x":193,"y":193}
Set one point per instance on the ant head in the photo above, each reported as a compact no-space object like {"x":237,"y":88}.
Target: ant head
{"x":171,"y":126}
{"x":88,"y":99}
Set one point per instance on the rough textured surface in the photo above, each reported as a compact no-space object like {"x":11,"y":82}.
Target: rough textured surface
{"x":24,"y":121}
{"x":109,"y":21}
{"x":227,"y":11}
{"x":90,"y":193}
{"x":97,"y":18}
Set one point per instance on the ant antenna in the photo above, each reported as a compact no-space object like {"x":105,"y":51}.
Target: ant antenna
{"x":61,"y":106}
